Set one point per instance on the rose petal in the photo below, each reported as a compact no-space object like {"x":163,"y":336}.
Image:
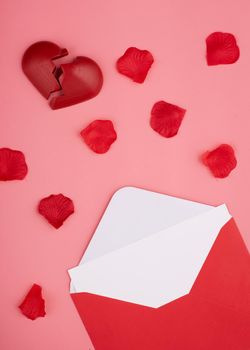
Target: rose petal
{"x":12,"y":165}
{"x":56,"y":209}
{"x":166,"y":118}
{"x":221,"y":161}
{"x":33,"y":305}
{"x":135,"y":64}
{"x":99,"y":135}
{"x":222,"y":48}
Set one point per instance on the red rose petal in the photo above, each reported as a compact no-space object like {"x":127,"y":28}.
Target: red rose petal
{"x":221,"y":161}
{"x":12,"y":165}
{"x":33,"y":305}
{"x":135,"y":64}
{"x":99,"y":135}
{"x":222,"y":48}
{"x":166,"y":118}
{"x":56,"y":209}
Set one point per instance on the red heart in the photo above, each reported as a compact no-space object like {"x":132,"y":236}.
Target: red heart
{"x":72,"y":82}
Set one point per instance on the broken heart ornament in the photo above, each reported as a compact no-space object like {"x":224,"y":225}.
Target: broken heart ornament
{"x":63,"y":85}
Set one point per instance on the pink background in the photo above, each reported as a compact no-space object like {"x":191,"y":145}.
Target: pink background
{"x":217,"y":100}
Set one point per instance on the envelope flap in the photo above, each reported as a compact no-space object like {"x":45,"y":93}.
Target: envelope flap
{"x":133,"y":214}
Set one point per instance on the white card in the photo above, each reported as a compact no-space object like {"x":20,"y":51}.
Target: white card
{"x":148,"y":248}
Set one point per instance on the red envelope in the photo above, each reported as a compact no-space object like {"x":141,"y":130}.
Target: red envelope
{"x":214,"y":314}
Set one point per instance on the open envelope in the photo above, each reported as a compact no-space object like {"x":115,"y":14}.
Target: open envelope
{"x":163,"y":273}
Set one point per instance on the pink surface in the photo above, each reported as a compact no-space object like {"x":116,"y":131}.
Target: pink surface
{"x":218,"y":111}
